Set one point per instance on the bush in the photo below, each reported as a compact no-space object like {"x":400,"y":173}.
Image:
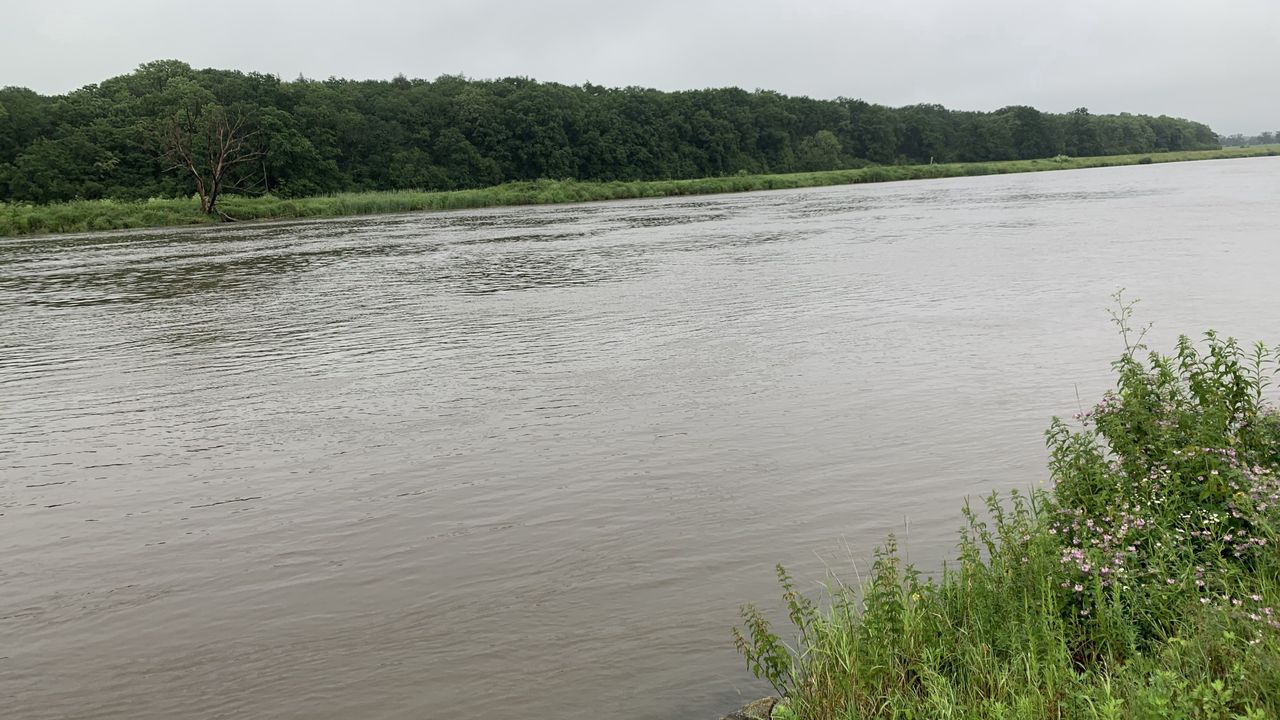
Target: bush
{"x":1145,"y":583}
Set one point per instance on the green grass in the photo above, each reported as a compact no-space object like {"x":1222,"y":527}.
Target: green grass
{"x":90,"y":215}
{"x":1144,"y":584}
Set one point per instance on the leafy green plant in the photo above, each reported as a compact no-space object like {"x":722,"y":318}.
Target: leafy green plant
{"x":767,"y":656}
{"x":1144,"y":583}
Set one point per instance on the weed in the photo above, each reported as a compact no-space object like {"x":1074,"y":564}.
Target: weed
{"x":1144,"y":583}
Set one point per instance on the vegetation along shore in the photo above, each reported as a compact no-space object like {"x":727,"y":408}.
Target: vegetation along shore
{"x":133,"y":150}
{"x":1144,"y":584}
{"x":89,"y":215}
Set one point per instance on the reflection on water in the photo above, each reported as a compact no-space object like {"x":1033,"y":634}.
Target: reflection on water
{"x":527,"y":462}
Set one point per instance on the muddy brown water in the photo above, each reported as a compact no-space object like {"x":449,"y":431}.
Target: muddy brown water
{"x":528,"y":462}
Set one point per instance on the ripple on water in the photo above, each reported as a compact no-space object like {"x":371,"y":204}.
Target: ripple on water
{"x":361,"y":467}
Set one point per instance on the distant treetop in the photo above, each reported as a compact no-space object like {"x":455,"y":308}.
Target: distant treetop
{"x":323,"y":136}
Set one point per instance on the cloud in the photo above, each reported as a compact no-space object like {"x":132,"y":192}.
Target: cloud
{"x":1207,"y":61}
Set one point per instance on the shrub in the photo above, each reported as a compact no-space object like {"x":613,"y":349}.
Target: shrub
{"x":1144,"y":583}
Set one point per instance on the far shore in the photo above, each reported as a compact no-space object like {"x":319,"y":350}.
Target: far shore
{"x":100,"y":215}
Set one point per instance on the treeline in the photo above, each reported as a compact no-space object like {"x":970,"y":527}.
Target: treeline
{"x":316,"y":137}
{"x":1242,"y":140}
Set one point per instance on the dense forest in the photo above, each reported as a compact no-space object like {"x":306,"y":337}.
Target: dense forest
{"x":124,"y":138}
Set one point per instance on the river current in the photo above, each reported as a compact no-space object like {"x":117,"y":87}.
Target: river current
{"x":528,"y":462}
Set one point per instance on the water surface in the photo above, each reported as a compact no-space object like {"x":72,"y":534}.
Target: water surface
{"x":527,"y":462}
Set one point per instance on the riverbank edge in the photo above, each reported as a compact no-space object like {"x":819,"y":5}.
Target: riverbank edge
{"x":761,"y":709}
{"x":19,"y":219}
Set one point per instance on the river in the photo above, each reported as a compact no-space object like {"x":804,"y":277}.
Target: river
{"x":527,"y":462}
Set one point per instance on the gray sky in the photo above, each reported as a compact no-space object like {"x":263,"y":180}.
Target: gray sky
{"x":1217,"y":62}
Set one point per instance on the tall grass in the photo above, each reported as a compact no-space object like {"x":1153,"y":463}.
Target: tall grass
{"x":1144,"y":584}
{"x":90,"y":215}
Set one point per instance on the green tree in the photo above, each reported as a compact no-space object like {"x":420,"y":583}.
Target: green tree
{"x":312,"y":136}
{"x":820,"y":151}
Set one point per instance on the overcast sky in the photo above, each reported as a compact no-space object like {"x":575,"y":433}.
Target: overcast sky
{"x":1218,"y":62}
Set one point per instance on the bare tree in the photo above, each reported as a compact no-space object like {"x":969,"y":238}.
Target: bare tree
{"x":213,"y":145}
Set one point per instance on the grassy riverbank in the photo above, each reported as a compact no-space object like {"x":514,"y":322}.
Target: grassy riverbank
{"x":1144,"y":584}
{"x":88,"y":215}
